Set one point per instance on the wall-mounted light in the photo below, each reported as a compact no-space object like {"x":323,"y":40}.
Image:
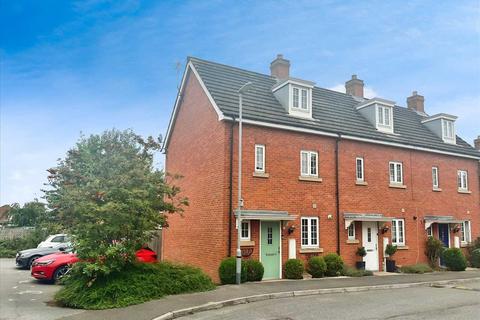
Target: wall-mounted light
{"x":456,"y":228}
{"x":330,"y":217}
{"x":385,"y":228}
{"x":291,"y":229}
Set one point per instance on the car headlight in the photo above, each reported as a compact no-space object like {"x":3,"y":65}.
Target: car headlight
{"x":18,"y":255}
{"x":44,"y":263}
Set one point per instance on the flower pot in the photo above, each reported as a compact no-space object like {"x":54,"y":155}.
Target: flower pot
{"x":360,"y":265}
{"x":391,"y":266}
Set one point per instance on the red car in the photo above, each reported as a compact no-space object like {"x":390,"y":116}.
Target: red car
{"x":54,"y":266}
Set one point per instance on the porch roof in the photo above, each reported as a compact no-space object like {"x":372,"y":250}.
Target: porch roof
{"x":266,"y":215}
{"x":429,"y":220}
{"x":374,"y":217}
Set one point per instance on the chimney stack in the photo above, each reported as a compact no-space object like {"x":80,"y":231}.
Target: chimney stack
{"x":354,"y":87}
{"x":476,"y":142}
{"x":416,"y":102}
{"x":280,"y":68}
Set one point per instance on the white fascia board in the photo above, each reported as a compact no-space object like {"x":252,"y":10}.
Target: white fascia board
{"x":301,"y":83}
{"x":191,"y":67}
{"x":379,"y":101}
{"x":440,"y":116}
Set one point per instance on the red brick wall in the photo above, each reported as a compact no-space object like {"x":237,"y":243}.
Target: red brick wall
{"x":198,"y":151}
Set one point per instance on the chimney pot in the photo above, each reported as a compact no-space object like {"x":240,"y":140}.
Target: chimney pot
{"x":354,"y":86}
{"x":476,"y":142}
{"x":416,"y":102}
{"x":280,"y":67}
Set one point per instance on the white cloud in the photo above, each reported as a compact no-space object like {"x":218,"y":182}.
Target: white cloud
{"x":368,"y":92}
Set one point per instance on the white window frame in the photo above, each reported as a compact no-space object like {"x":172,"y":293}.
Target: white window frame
{"x":462,"y":180}
{"x":360,"y":175}
{"x":385,"y":123}
{"x":466,"y":237}
{"x":448,"y":131}
{"x":308,"y":171}
{"x":351,"y":231}
{"x":309,"y":232}
{"x":303,"y":99}
{"x":397,"y":234}
{"x":242,"y":238}
{"x":262,"y":147}
{"x":435,"y":178}
{"x":395,"y":176}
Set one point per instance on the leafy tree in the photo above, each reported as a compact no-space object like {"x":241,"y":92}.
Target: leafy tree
{"x":110,"y":198}
{"x":30,"y":215}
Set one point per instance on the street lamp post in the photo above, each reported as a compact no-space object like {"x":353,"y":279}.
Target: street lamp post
{"x":241,"y":91}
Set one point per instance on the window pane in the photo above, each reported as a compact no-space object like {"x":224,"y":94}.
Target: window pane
{"x":295,"y":98}
{"x":394,"y":231}
{"x":269,"y":235}
{"x":380,"y":115}
{"x":392,"y":172}
{"x":313,"y":164}
{"x":245,"y":231}
{"x":304,"y":169}
{"x":260,"y":154}
{"x":351,"y":231}
{"x":304,"y":99}
{"x":399,"y":172}
{"x":400,"y":231}
{"x":387,"y":116}
{"x":435,"y":176}
{"x":359,"y":169}
{"x":313,"y":232}
{"x":304,"y":232}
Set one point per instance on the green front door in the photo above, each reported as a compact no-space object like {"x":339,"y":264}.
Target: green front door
{"x":270,"y":248}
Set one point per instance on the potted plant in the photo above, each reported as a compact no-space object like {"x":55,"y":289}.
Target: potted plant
{"x":390,"y":251}
{"x":361,"y":252}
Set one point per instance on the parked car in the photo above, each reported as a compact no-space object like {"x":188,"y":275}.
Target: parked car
{"x":24,"y":258}
{"x":55,"y":266}
{"x":55,"y":241}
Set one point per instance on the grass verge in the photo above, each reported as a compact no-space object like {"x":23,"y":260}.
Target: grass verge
{"x":353,"y":272}
{"x":416,"y":268}
{"x":138,"y":283}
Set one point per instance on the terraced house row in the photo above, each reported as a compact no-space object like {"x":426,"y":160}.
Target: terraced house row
{"x":323,"y":172}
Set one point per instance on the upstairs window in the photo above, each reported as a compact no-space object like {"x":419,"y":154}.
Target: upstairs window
{"x":398,"y":232}
{"x":435,"y":177}
{"x":448,"y":131}
{"x":300,"y":98}
{"x":462,"y":177}
{"x":259,"y":158}
{"x":396,"y":173}
{"x":308,"y":164}
{"x":384,"y":118}
{"x":359,"y":169}
{"x":310,"y":232}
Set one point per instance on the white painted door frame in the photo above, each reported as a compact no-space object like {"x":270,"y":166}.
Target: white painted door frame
{"x":370,"y":242}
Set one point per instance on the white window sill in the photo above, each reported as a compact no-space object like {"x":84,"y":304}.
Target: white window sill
{"x":310,"y":178}
{"x":436,"y":190}
{"x":246,"y":243}
{"x":464,"y":244}
{"x":353,"y":241}
{"x":311,"y":250}
{"x":401,"y":246}
{"x":361,"y":183}
{"x":261,"y":175}
{"x":397,"y":186}
{"x":464,"y":191}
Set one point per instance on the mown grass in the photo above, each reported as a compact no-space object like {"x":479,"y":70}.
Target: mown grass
{"x":353,"y":272}
{"x":138,"y":283}
{"x":416,"y":268}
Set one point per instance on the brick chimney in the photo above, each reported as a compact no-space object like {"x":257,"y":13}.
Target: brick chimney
{"x":416,"y":102}
{"x":280,"y":67}
{"x":354,"y":87}
{"x":476,"y":142}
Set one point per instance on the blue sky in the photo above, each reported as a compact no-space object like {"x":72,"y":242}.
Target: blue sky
{"x":86,"y":66}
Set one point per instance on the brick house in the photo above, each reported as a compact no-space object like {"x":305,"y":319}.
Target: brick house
{"x":323,"y":172}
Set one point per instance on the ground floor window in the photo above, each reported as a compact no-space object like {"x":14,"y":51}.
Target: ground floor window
{"x":245,"y":234}
{"x":351,"y":231}
{"x":398,"y":232}
{"x":430,"y":231}
{"x":466,"y":232}
{"x":309,"y":232}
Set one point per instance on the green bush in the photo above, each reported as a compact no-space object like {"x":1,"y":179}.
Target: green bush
{"x":390,"y":250}
{"x":475,"y":258}
{"x":334,"y":264}
{"x":294,"y":269}
{"x":434,"y":251}
{"x":352,"y":272}
{"x":227,"y":271}
{"x":316,"y":267}
{"x":8,"y":248}
{"x":416,"y":268}
{"x":454,"y":259}
{"x":138,"y":283}
{"x":255,"y":270}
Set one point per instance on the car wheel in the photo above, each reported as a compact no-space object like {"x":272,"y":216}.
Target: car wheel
{"x":30,"y":261}
{"x":59,"y":273}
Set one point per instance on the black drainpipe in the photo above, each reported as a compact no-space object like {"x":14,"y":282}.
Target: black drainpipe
{"x":337,"y":191}
{"x":230,"y":197}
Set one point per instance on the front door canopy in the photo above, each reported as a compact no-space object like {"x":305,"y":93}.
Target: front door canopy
{"x":429,"y":220}
{"x":266,"y":215}
{"x":372,"y":217}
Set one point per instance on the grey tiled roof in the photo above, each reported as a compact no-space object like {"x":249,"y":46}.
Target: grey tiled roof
{"x":332,"y":111}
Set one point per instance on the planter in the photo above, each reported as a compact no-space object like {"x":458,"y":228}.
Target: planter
{"x":360,"y":265}
{"x":391,"y":266}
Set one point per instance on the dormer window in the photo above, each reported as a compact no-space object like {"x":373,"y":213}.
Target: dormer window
{"x":296,"y":97}
{"x":443,"y":125}
{"x":379,"y":112}
{"x":448,"y":131}
{"x":384,"y":115}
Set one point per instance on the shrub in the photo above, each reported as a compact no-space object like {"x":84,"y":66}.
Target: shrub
{"x":416,"y":268}
{"x":390,"y":250}
{"x":139,"y":282}
{"x":9,"y":247}
{"x":254,"y":270}
{"x":475,"y":258}
{"x":434,"y":251}
{"x":228,"y":269}
{"x":454,"y":259}
{"x":294,"y":269}
{"x":352,"y":272}
{"x":361,"y":252}
{"x":334,"y":264}
{"x":316,"y":267}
